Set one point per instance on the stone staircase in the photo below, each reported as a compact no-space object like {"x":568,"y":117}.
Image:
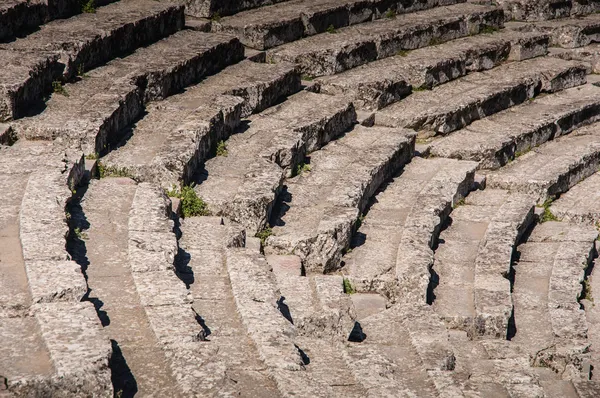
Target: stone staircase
{"x":305,"y":198}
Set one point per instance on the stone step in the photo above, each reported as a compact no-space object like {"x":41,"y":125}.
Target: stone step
{"x":243,"y":185}
{"x":548,"y":319}
{"x":553,"y":168}
{"x":588,"y":55}
{"x":215,"y":9}
{"x":457,"y":104}
{"x":145,"y":309}
{"x":65,"y":48}
{"x":230,"y":365}
{"x":581,"y":203}
{"x":54,"y":343}
{"x":541,"y":10}
{"x":317,"y":304}
{"x":500,"y":138}
{"x":268,"y":27}
{"x":256,"y":296}
{"x":496,"y":368}
{"x":566,"y":32}
{"x":407,"y":337}
{"x":329,"y":368}
{"x":18,"y":17}
{"x":322,"y":204}
{"x":166,"y":300}
{"x":402,"y":226}
{"x":383,"y":82}
{"x":592,"y":316}
{"x":473,"y":264}
{"x":109,"y":98}
{"x":177,"y":135}
{"x":331,"y":53}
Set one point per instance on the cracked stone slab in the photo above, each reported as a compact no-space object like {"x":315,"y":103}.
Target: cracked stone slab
{"x":500,"y":138}
{"x":181,"y":132}
{"x":328,"y":54}
{"x":474,"y":259}
{"x":553,"y":168}
{"x":478,"y":95}
{"x":78,"y":347}
{"x":379,"y":260}
{"x":17,"y":16}
{"x":567,"y":32}
{"x":317,"y":219}
{"x":65,"y":48}
{"x":244,"y":184}
{"x":581,"y":203}
{"x":267,"y":27}
{"x":212,"y":8}
{"x":110,"y":98}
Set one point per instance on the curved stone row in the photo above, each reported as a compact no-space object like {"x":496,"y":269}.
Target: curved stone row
{"x":108,"y":99}
{"x":268,"y":27}
{"x":63,"y":49}
{"x":473,"y":262}
{"x":321,"y":205}
{"x":328,"y":54}
{"x":550,"y":269}
{"x":55,"y":344}
{"x":404,"y":221}
{"x":180,"y":133}
{"x":244,"y":185}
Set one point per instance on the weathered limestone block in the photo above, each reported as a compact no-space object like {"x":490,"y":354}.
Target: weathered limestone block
{"x":78,"y":347}
{"x":318,"y":221}
{"x":496,"y":140}
{"x":351,"y":47}
{"x":459,"y":103}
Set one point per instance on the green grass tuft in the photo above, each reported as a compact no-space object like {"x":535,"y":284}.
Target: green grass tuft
{"x":191,"y":204}
{"x":301,"y":168}
{"x":331,"y":29}
{"x":264,"y":234}
{"x":547,"y":214}
{"x":348,"y":288}
{"x":58,"y":88}
{"x":88,"y":7}
{"x":221,"y":149}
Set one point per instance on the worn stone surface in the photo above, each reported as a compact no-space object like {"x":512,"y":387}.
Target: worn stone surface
{"x":574,"y":157}
{"x":383,"y":82}
{"x":321,"y":205}
{"x":66,"y":48}
{"x":474,"y":261}
{"x":567,"y":32}
{"x":110,"y":98}
{"x":500,"y":138}
{"x":350,"y":47}
{"x":17,"y":16}
{"x":547,"y":289}
{"x":180,"y":133}
{"x":275,"y":141}
{"x":391,"y":229}
{"x":268,"y":27}
{"x":106,"y":289}
{"x":457,"y":104}
{"x":211,"y":8}
{"x":580,"y":203}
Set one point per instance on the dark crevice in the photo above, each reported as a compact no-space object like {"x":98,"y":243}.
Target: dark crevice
{"x":205,"y":329}
{"x":305,"y":358}
{"x":122,"y":379}
{"x":124,"y":383}
{"x":357,"y":335}
{"x":284,"y":309}
{"x":434,"y":281}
